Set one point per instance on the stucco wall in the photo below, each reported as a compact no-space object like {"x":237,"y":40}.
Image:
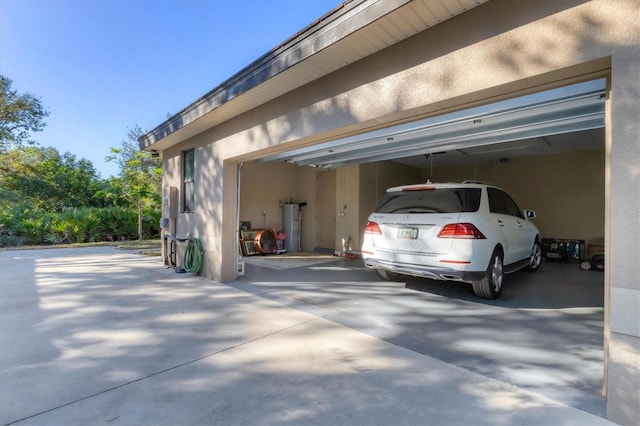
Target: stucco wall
{"x":436,"y":75}
{"x":492,"y":52}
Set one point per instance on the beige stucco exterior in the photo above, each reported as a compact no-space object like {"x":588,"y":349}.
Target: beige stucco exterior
{"x":494,"y":51}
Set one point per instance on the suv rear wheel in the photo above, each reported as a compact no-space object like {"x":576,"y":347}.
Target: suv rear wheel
{"x":490,"y":287}
{"x":388,"y":275}
{"x":535,"y":259}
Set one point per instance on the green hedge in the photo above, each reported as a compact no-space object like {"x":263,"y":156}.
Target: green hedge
{"x":24,"y":225}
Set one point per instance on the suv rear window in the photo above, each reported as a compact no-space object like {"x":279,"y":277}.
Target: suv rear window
{"x":445,"y":200}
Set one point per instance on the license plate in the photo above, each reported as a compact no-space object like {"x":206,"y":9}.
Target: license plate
{"x":407,"y":233}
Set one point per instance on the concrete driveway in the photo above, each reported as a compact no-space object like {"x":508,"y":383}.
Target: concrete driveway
{"x":103,"y":336}
{"x":545,"y":333}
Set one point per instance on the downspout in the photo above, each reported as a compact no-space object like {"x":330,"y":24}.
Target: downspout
{"x":240,"y":266}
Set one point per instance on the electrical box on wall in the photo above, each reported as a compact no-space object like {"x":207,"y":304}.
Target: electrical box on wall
{"x":173,"y":202}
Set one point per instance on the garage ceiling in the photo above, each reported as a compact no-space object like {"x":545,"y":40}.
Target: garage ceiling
{"x":568,"y":118}
{"x":567,"y":142}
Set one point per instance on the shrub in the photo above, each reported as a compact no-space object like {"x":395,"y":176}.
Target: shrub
{"x":8,"y":239}
{"x":118,"y":223}
{"x":151,"y":223}
{"x":35,"y":226}
{"x":78,"y":225}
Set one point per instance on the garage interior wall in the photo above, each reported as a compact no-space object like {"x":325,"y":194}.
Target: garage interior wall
{"x":266,"y":186}
{"x":566,"y":190}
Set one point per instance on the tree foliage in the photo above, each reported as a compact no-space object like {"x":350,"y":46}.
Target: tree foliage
{"x":140,"y":177}
{"x":50,"y":180}
{"x":20,"y":115}
{"x":49,"y":197}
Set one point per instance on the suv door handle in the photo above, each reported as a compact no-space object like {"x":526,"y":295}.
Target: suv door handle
{"x":500,"y":223}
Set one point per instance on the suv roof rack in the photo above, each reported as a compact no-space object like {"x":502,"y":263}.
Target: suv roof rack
{"x":479,"y":182}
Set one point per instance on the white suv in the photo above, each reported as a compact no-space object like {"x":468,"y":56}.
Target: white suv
{"x":469,"y":232}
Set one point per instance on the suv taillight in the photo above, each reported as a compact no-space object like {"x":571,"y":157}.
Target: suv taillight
{"x":461,"y":230}
{"x":372,"y":228}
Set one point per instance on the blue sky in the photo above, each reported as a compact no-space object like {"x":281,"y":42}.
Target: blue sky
{"x":103,"y":66}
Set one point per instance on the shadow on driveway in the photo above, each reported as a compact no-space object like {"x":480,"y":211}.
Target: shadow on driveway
{"x":544,"y":334}
{"x":102,"y":336}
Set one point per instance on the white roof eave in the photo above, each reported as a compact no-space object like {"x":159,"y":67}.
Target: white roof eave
{"x":287,"y":67}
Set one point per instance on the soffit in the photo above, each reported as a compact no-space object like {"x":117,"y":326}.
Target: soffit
{"x":351,"y":32}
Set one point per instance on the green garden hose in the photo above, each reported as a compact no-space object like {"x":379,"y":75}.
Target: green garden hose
{"x":193,"y":256}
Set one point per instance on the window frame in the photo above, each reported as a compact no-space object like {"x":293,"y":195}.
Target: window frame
{"x":501,"y":203}
{"x":188,"y":180}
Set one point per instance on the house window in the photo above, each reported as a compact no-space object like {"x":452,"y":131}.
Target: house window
{"x":188,"y":182}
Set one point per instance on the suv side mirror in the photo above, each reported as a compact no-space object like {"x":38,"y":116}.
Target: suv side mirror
{"x":529,"y":214}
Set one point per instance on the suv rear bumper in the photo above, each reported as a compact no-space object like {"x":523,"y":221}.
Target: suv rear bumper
{"x":443,"y":273}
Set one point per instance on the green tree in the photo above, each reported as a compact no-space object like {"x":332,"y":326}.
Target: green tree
{"x":140,"y":177}
{"x":49,"y":180}
{"x":20,"y":115}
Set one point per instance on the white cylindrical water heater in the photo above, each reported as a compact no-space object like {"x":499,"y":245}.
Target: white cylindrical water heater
{"x":291,"y":227}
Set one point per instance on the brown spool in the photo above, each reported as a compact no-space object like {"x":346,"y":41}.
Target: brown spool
{"x":265,"y":241}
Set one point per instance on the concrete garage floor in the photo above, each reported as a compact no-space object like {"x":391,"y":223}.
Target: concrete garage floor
{"x":544,"y":334}
{"x":102,"y":336}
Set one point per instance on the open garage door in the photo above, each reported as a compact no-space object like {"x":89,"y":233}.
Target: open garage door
{"x":552,"y":139}
{"x":565,"y":119}
{"x":534,"y":118}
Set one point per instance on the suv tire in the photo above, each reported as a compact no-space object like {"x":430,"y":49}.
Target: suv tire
{"x":490,"y":287}
{"x":535,"y":259}
{"x":388,"y":275}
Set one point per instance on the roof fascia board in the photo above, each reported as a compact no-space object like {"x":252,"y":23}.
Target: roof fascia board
{"x":331,"y":28}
